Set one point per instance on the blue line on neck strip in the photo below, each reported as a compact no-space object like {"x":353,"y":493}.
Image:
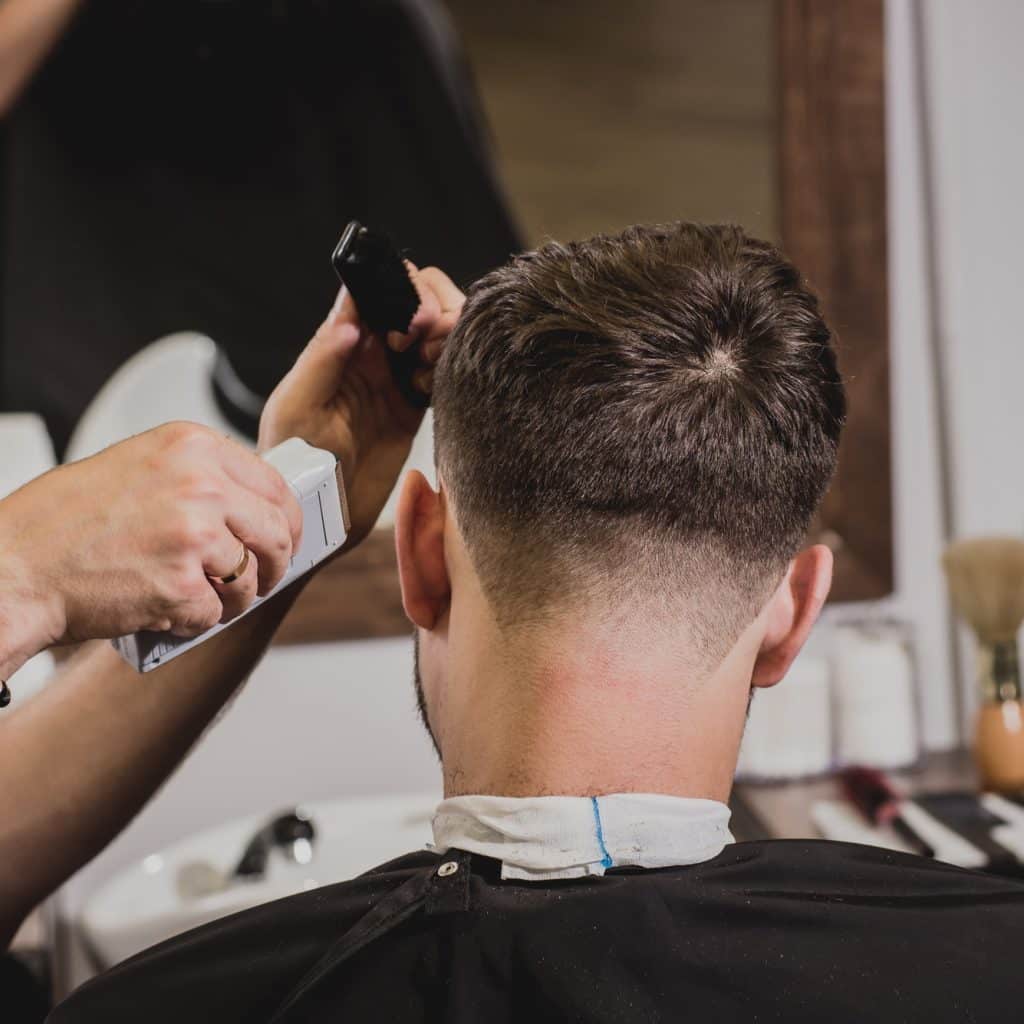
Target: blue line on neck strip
{"x":606,"y":857}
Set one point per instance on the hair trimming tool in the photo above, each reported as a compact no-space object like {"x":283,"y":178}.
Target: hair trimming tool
{"x":315,"y":478}
{"x":371,"y":267}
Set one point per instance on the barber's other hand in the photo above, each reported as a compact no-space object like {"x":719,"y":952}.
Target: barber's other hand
{"x":340,"y":394}
{"x":129,"y":539}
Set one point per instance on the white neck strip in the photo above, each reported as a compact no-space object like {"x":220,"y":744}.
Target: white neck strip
{"x":545,"y":837}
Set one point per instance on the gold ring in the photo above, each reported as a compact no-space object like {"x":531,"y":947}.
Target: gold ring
{"x":243,"y":564}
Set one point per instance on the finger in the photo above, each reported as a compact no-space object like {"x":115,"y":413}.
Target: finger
{"x":314,"y":379}
{"x":423,"y":380}
{"x":237,"y":595}
{"x":450,"y":299}
{"x":448,"y":293}
{"x":422,"y":323}
{"x":433,"y":346}
{"x":225,"y":557}
{"x":344,"y":309}
{"x":199,"y":613}
{"x":426,"y":314}
{"x":265,"y":531}
{"x":399,"y":342}
{"x":259,"y":478}
{"x":432,"y":350}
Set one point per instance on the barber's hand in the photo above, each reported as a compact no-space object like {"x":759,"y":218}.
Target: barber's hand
{"x":340,"y":395}
{"x":129,"y":539}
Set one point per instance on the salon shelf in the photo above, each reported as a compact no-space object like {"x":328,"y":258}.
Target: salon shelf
{"x":783,"y":810}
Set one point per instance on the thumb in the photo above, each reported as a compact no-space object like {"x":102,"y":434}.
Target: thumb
{"x":318,"y":372}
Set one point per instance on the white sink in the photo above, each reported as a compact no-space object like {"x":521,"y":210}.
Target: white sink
{"x":146,"y":904}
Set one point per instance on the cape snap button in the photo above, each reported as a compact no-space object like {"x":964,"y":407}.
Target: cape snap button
{"x":449,"y":867}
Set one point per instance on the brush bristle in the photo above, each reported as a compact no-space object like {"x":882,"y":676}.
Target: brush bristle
{"x":986,"y":581}
{"x":373,"y":270}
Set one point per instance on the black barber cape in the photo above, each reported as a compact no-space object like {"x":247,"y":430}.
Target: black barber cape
{"x":789,"y":930}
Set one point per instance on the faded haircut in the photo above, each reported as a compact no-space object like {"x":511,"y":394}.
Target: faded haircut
{"x":652,"y":416}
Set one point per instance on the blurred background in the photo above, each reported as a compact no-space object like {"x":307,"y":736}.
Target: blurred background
{"x":174,"y":176}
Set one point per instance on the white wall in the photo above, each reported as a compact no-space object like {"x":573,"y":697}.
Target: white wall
{"x":976,"y":77}
{"x":973,"y":78}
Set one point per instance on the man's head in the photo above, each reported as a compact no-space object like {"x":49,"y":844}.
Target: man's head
{"x":631,"y":427}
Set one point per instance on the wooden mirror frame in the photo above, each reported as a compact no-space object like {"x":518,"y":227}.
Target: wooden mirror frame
{"x":833,"y":206}
{"x":833,"y":214}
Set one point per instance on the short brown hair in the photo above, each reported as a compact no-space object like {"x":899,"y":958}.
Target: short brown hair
{"x":654,"y":412}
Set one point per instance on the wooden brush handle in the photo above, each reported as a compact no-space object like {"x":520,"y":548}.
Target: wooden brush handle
{"x":999,"y":745}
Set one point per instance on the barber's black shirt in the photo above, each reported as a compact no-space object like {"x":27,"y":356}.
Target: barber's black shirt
{"x":184,"y":165}
{"x":789,"y":930}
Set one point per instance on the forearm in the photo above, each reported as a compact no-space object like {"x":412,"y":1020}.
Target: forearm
{"x":79,"y":761}
{"x":28,"y":31}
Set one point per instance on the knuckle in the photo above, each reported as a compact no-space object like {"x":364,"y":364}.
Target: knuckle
{"x":210,"y":615}
{"x":195,"y":484}
{"x":179,"y":535}
{"x":184,"y":626}
{"x":172,"y":431}
{"x":191,"y":532}
{"x":167,"y":597}
{"x":293,"y":522}
{"x":186,"y":590}
{"x":276,"y":535}
{"x":202,"y":612}
{"x":183,"y":450}
{"x":283,"y":537}
{"x":182,"y":433}
{"x":190,"y":620}
{"x":282,"y":492}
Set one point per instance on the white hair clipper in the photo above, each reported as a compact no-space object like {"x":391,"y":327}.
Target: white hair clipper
{"x":315,"y":477}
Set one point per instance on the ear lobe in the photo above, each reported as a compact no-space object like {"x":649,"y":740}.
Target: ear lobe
{"x":419,"y":540}
{"x":792,"y":612}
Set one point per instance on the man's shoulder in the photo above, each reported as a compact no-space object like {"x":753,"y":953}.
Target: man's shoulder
{"x":252,"y":958}
{"x":846,"y":897}
{"x":846,"y":885}
{"x":856,"y":864}
{"x":824,"y":869}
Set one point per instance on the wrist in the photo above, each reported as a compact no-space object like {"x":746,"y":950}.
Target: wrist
{"x":30,"y":619}
{"x":23,"y":631}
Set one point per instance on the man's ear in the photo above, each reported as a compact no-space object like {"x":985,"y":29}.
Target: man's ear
{"x":791,"y":613}
{"x":419,"y":538}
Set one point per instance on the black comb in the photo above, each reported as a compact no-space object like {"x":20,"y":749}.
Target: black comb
{"x":371,"y":268}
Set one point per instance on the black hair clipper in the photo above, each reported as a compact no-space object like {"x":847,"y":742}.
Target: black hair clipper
{"x":371,"y":268}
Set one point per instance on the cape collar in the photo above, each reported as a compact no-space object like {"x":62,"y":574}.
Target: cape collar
{"x":546,"y":837}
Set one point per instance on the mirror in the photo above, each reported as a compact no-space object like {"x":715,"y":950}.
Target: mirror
{"x":604,"y":115}
{"x":769,"y":113}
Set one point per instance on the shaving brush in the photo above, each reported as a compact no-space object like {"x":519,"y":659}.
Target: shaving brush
{"x":986,"y":581}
